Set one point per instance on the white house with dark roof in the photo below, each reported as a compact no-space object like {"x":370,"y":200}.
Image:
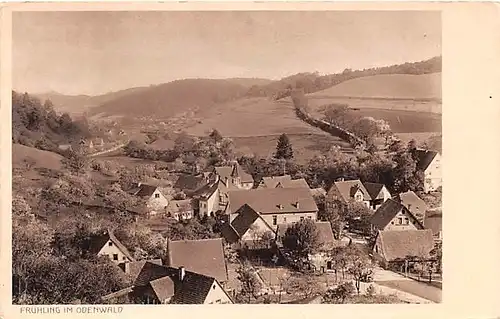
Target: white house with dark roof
{"x":106,"y":244}
{"x":346,"y":191}
{"x":275,"y":205}
{"x":378,"y":194}
{"x":415,"y":204}
{"x":231,"y":178}
{"x":429,"y":162}
{"x":392,"y":215}
{"x":156,"y":202}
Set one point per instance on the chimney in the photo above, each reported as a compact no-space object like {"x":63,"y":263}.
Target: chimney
{"x":297,"y":204}
{"x":280,"y":206}
{"x":139,"y":184}
{"x":182,"y":273}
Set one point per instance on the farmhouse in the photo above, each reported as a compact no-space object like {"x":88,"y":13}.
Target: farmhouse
{"x":208,"y":199}
{"x":180,"y":209}
{"x":155,"y":201}
{"x":284,"y":181}
{"x":414,"y":204}
{"x":392,"y":215}
{"x":249,"y":229}
{"x":319,"y":260}
{"x":107,"y":244}
{"x":346,"y":191}
{"x":203,"y":256}
{"x":378,"y":194}
{"x":392,"y":246}
{"x":275,"y":205}
{"x":429,"y":162}
{"x":157,"y":284}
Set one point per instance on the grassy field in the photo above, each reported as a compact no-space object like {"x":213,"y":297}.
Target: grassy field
{"x":41,"y":159}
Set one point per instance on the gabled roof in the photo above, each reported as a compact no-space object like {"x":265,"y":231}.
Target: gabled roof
{"x":414,"y":203}
{"x":294,"y":183}
{"x":347,"y":189}
{"x":204,"y":256}
{"x":324,"y":229}
{"x":190,"y":182}
{"x":273,"y":200}
{"x":406,"y":243}
{"x":387,"y":211}
{"x":246,"y":217}
{"x":145,"y":190}
{"x":163,"y":287}
{"x":194,"y":289}
{"x":98,"y":241}
{"x":132,"y":269}
{"x":234,"y":170}
{"x":206,"y":191}
{"x":177,"y":206}
{"x":273,"y":181}
{"x":424,"y":158}
{"x":320,"y":191}
{"x":374,"y":190}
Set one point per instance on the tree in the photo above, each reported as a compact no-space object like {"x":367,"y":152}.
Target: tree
{"x":339,"y":293}
{"x":337,"y":114}
{"x":303,"y":238}
{"x":361,"y":268}
{"x":215,"y":136}
{"x":250,"y":285}
{"x":284,"y":148}
{"x":358,"y":216}
{"x":76,"y":162}
{"x":405,"y":173}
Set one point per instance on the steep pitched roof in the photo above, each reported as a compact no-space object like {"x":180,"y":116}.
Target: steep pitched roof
{"x":374,"y":190}
{"x":273,"y":200}
{"x":387,"y":211}
{"x":273,"y":181}
{"x":132,"y":269}
{"x":414,"y":203}
{"x":324,"y":229}
{"x":234,"y":170}
{"x":163,"y":287}
{"x":145,"y":190}
{"x":206,"y":191}
{"x":246,"y":217}
{"x":190,"y":182}
{"x":347,"y":189}
{"x":151,"y":271}
{"x":99,"y":240}
{"x":204,"y":256}
{"x":194,"y":289}
{"x":403,"y":243}
{"x":424,"y":158}
{"x":294,"y":183}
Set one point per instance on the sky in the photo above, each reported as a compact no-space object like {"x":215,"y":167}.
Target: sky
{"x":99,"y":52}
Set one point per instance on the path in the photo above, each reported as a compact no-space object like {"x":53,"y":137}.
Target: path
{"x":115,"y":148}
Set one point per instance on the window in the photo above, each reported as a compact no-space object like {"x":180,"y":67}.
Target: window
{"x":301,"y":218}
{"x":213,"y":287}
{"x":123,"y":258}
{"x":392,"y":222}
{"x":157,"y":195}
{"x":275,"y":220}
{"x":284,"y":219}
{"x":310,"y":217}
{"x":110,"y":244}
{"x":400,"y":220}
{"x":406,"y":221}
{"x":115,"y":256}
{"x":218,"y":301}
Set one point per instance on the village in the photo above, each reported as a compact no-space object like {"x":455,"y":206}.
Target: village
{"x":272,"y":230}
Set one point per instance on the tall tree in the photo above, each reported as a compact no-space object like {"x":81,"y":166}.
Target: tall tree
{"x":303,"y":238}
{"x":284,"y":148}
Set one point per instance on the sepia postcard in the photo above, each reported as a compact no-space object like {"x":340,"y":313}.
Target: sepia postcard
{"x":265,"y":154}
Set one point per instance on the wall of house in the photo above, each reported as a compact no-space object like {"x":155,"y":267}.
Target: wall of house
{"x":433,"y":176}
{"x":217,"y":295}
{"x":258,"y":228}
{"x":109,"y":251}
{"x":157,"y":204}
{"x":282,"y":218}
{"x":394,"y":224}
{"x":210,"y":205}
{"x":246,"y":185}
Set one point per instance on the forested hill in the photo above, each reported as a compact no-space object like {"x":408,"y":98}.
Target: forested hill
{"x":37,"y":125}
{"x":313,"y":82}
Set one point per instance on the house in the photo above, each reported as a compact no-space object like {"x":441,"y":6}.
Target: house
{"x":133,"y":268}
{"x":346,"y":191}
{"x":249,"y":229}
{"x":393,"y":246}
{"x":207,"y":198}
{"x":234,"y":177}
{"x":434,"y":221}
{"x":415,"y":204}
{"x":156,"y":202}
{"x":157,"y":284}
{"x":180,"y":209}
{"x":189,"y":183}
{"x":392,"y":215}
{"x":378,"y":194}
{"x":275,"y":205}
{"x":231,"y":178}
{"x":285,"y":181}
{"x":321,"y":259}
{"x":203,"y":256}
{"x":429,"y":162}
{"x":106,"y":244}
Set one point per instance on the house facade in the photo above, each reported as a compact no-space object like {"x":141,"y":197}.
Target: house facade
{"x":156,"y":202}
{"x":378,"y":194}
{"x":429,"y":162}
{"x":392,"y":215}
{"x":180,"y":209}
{"x":345,"y":191}
{"x":275,"y":205}
{"x":108,"y":245}
{"x":208,"y":200}
{"x":414,"y":204}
